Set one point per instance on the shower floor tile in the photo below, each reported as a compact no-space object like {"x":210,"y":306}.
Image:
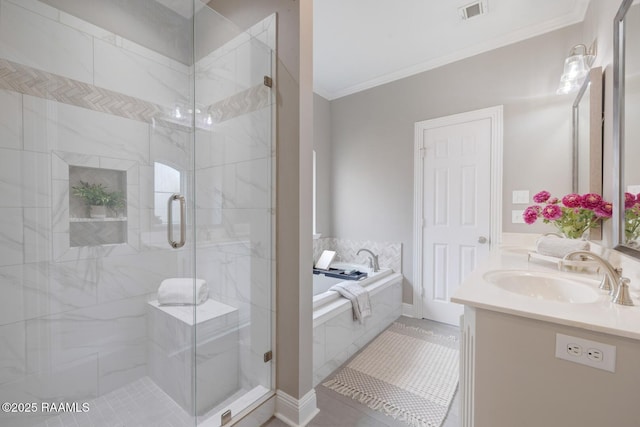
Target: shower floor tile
{"x":139,"y":404}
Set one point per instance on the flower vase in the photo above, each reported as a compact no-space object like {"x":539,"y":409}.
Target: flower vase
{"x":631,"y":239}
{"x":577,"y":235}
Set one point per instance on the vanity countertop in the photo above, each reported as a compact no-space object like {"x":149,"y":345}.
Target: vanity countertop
{"x":601,"y":315}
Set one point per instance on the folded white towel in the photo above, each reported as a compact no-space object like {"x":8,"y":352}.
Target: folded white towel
{"x":358,"y":296}
{"x":182,"y":291}
{"x":559,"y":247}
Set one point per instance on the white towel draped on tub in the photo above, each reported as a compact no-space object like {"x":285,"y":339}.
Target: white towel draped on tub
{"x":559,"y":247}
{"x":358,"y":296}
{"x":180,"y":291}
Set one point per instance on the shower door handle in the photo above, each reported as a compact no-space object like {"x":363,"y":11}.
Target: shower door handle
{"x":183,"y":227}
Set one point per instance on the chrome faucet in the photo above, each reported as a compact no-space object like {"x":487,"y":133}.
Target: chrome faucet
{"x":373,"y":259}
{"x":612,"y":281}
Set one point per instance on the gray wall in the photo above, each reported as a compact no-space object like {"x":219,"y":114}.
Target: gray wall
{"x":372,"y":136}
{"x":322,"y":147}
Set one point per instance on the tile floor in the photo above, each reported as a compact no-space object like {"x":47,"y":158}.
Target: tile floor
{"x":341,"y":411}
{"x":140,"y":403}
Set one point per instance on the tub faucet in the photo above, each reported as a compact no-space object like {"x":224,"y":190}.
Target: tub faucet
{"x":373,"y":259}
{"x":612,"y":281}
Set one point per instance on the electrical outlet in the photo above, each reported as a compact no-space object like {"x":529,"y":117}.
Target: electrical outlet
{"x":516,"y":217}
{"x":586,"y":352}
{"x":574,"y":350}
{"x":595,"y":354}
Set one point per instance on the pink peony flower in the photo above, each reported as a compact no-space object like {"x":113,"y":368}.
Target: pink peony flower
{"x":629,"y":200}
{"x":552,"y":212}
{"x":574,"y":214}
{"x":572,"y":200}
{"x":605,"y":210}
{"x":530,"y":214}
{"x":591,"y":201}
{"x":541,"y":197}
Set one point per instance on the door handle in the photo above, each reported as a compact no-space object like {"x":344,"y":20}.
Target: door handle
{"x":482,"y":240}
{"x":183,"y":227}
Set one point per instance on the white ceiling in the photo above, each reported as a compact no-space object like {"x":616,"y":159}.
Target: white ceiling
{"x":359,"y":44}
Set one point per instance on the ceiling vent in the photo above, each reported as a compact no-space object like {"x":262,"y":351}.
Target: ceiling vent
{"x":472,"y":10}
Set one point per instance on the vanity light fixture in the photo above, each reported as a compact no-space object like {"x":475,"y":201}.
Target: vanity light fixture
{"x":576,"y":68}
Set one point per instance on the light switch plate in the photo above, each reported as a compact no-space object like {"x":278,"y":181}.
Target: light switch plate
{"x":520,"y":197}
{"x":516,"y":217}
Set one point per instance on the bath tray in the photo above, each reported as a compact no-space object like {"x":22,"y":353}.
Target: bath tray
{"x":340,"y":274}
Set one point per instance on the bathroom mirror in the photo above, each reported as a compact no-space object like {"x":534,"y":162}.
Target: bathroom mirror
{"x":626,"y":126}
{"x":587,"y":139}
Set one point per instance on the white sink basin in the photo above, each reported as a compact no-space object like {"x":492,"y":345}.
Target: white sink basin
{"x":543,"y":286}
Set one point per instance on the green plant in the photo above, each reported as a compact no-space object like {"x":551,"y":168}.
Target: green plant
{"x":97,"y":195}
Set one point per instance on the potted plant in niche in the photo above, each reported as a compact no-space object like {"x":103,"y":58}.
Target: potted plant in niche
{"x":98,"y":199}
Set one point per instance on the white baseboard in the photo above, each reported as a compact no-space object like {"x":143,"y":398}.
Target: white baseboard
{"x":407,"y":310}
{"x":294,"y":412}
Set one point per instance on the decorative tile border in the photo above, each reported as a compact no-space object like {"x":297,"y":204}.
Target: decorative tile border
{"x":252,"y":99}
{"x":30,"y":81}
{"x":389,"y":254}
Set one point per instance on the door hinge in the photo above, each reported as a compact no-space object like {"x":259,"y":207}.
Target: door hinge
{"x":268,"y":81}
{"x":225,"y":418}
{"x":268,"y":356}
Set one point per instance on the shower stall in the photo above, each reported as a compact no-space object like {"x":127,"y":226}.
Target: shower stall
{"x":136,"y":150}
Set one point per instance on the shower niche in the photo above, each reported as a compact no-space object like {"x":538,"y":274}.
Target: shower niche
{"x":97,"y":206}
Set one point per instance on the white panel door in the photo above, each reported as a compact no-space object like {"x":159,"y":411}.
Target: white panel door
{"x":456,"y":207}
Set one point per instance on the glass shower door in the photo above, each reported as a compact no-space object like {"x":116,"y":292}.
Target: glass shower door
{"x":234,"y":189}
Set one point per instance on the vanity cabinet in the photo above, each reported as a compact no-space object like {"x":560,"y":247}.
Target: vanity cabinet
{"x":510,"y":376}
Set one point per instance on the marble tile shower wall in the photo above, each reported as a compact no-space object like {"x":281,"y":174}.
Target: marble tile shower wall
{"x":72,"y":320}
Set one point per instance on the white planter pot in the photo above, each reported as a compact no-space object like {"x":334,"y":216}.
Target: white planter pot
{"x":98,"y":212}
